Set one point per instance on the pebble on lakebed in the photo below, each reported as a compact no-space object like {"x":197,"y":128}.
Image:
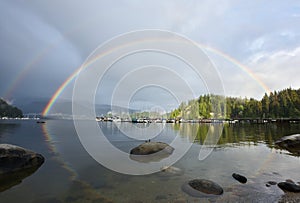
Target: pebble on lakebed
{"x":171,"y":170}
{"x":202,"y":188}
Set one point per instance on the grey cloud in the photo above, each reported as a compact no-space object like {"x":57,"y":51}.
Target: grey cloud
{"x":59,"y":35}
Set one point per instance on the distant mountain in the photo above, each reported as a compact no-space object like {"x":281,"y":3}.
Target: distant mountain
{"x":37,"y":105}
{"x":31,"y":105}
{"x":100,"y":109}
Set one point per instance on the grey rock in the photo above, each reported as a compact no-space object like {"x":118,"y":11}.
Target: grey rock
{"x":171,"y":171}
{"x":290,"y":143}
{"x":272,"y":182}
{"x":14,"y":158}
{"x":202,"y":188}
{"x":160,"y":197}
{"x":151,"y":152}
{"x":16,"y":163}
{"x":151,"y":148}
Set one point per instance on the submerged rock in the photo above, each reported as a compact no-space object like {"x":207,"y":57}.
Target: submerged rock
{"x":290,"y":143}
{"x":171,"y":170}
{"x":289,"y":187}
{"x":80,"y":191}
{"x":14,"y":158}
{"x":272,"y":182}
{"x":151,"y":152}
{"x":202,"y":188}
{"x":161,"y":197}
{"x":8,"y":180}
{"x":240,"y":178}
{"x":17,"y":163}
{"x":269,"y":183}
{"x":289,"y":181}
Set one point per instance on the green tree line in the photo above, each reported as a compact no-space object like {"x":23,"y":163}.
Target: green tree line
{"x":7,"y":110}
{"x":277,"y":104}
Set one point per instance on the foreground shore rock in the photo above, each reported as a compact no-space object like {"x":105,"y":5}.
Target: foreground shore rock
{"x":151,"y":152}
{"x":16,"y":163}
{"x":290,"y":143}
{"x":202,"y":188}
{"x":289,"y":187}
{"x":14,"y":158}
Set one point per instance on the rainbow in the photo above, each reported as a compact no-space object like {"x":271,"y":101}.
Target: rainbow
{"x":39,"y":56}
{"x":21,"y":75}
{"x":71,"y":78}
{"x":59,"y":91}
{"x":239,"y":64}
{"x":61,"y":88}
{"x":206,"y":48}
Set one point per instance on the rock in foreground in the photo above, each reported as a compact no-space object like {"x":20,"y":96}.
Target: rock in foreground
{"x":151,"y":148}
{"x":289,"y":187}
{"x":202,"y":188}
{"x":14,"y":159}
{"x":16,"y":163}
{"x":290,"y":143}
{"x":240,"y":178}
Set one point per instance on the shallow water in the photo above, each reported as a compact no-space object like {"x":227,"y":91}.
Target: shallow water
{"x":70,"y":174}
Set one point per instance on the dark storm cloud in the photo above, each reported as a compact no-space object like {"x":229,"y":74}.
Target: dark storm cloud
{"x":43,"y":42}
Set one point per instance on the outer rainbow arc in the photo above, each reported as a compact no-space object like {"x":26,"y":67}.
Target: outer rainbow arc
{"x":26,"y":69}
{"x":21,"y":75}
{"x":90,"y":61}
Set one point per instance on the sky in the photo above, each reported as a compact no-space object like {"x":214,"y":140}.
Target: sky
{"x":254,"y":45}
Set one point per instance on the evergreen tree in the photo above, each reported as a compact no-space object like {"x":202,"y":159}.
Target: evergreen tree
{"x":7,"y":110}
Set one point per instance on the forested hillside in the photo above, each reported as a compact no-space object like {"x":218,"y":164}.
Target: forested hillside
{"x":7,"y":110}
{"x":281,"y":104}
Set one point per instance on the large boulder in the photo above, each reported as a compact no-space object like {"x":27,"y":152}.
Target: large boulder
{"x":151,"y":152}
{"x":290,"y":143}
{"x":202,"y":188}
{"x":17,"y":163}
{"x":151,"y":148}
{"x":14,"y":158}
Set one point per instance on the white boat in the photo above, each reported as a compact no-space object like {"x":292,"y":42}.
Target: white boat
{"x":116,"y":119}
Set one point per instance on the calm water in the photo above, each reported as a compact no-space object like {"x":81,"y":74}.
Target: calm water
{"x":69,"y":174}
